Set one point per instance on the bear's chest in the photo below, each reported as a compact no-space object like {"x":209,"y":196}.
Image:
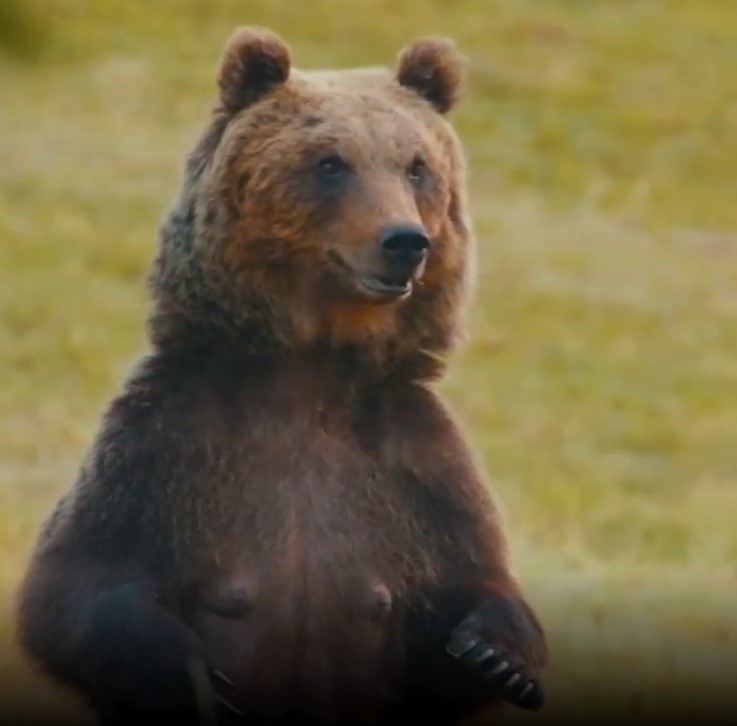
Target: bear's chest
{"x":309,"y":565}
{"x":299,"y":506}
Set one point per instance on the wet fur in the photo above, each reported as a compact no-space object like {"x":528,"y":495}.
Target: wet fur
{"x":277,"y":491}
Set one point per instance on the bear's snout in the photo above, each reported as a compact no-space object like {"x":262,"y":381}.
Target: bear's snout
{"x":404,"y":248}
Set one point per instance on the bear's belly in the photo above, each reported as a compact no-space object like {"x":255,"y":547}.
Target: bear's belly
{"x":319,"y":648}
{"x":303,"y":579}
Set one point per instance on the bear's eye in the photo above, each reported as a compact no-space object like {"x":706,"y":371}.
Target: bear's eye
{"x":416,"y":170}
{"x":332,"y":166}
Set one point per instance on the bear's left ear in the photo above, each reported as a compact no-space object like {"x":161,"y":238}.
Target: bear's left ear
{"x":255,"y":61}
{"x":433,"y":68}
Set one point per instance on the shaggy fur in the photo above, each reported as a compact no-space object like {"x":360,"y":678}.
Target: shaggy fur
{"x":278,"y":512}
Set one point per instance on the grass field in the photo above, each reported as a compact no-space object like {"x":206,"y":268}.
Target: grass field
{"x":600,"y":380}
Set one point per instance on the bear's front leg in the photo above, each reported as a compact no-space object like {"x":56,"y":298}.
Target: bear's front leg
{"x":502,"y":640}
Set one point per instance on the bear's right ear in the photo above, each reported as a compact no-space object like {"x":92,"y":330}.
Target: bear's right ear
{"x":255,"y":60}
{"x":432,"y":68}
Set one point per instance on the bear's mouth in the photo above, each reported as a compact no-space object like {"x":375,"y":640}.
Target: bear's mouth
{"x":394,"y":288}
{"x":380,"y":288}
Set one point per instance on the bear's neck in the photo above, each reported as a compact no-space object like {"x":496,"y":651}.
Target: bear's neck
{"x":206,"y":332}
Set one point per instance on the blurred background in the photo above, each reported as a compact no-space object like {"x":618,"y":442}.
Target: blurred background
{"x":600,"y":381}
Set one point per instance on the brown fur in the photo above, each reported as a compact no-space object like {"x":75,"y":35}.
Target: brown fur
{"x":277,"y":492}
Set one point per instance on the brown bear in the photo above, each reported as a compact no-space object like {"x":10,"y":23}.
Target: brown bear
{"x":279,"y":521}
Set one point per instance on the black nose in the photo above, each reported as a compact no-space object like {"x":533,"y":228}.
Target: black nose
{"x":404,"y":246}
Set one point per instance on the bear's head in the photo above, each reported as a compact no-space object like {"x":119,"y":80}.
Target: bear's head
{"x":321,"y":209}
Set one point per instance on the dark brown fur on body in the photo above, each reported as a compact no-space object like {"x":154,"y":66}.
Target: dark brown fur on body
{"x":277,"y":494}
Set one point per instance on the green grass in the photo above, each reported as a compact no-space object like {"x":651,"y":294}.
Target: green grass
{"x":599,"y":383}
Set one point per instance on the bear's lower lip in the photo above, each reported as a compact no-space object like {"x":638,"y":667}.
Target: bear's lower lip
{"x":386,"y":289}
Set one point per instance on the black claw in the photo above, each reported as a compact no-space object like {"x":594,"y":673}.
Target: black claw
{"x":513,"y":680}
{"x":220,"y":676}
{"x":503,"y":666}
{"x":483,"y":655}
{"x":517,"y":689}
{"x":460,"y":649}
{"x":228,"y":706}
{"x":530,"y":697}
{"x":526,"y":691}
